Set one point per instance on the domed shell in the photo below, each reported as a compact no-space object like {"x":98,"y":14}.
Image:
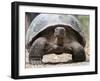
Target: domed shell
{"x":43,"y":21}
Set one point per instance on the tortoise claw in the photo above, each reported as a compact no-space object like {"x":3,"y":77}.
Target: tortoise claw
{"x":36,"y":62}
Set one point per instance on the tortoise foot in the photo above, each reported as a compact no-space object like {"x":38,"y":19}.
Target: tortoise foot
{"x":35,"y":61}
{"x":79,"y":55}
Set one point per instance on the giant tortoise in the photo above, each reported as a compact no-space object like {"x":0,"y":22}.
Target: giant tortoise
{"x":55,"y":33}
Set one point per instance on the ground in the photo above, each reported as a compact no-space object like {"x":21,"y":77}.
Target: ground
{"x":64,"y":59}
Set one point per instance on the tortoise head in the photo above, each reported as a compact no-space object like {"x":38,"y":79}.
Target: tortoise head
{"x":59,"y":32}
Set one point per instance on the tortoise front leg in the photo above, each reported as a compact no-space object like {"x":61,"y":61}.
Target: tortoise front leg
{"x":78,"y":52}
{"x":37,"y":51}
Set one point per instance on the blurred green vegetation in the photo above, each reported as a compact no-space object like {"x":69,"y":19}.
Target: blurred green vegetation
{"x":84,"y":20}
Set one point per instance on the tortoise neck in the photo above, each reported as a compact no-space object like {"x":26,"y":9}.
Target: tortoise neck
{"x":60,"y":41}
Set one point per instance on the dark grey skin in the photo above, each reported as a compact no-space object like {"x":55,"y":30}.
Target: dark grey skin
{"x":41,"y":46}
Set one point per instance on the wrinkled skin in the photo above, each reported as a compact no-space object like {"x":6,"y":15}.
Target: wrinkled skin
{"x":41,"y":46}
